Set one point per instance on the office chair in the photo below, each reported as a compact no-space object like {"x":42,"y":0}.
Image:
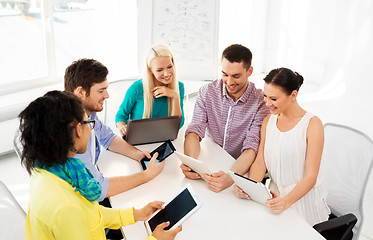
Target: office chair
{"x":12,"y":216}
{"x":347,"y":159}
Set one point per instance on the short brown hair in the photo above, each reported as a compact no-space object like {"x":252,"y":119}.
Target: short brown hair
{"x":238,"y":53}
{"x":85,"y":73}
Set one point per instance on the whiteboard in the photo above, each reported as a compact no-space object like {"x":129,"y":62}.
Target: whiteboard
{"x":190,"y":29}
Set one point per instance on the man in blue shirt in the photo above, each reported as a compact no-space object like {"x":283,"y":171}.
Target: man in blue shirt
{"x":86,"y":78}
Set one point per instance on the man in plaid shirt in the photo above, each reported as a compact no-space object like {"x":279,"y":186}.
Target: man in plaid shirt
{"x":232,"y":110}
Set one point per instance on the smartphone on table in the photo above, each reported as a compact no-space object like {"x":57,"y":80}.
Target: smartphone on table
{"x":164,"y":150}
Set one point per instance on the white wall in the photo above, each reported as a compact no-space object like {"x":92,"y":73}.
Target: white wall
{"x":244,"y":22}
{"x":330,"y":44}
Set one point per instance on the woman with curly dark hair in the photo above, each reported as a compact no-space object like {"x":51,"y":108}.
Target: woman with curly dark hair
{"x":63,"y":193}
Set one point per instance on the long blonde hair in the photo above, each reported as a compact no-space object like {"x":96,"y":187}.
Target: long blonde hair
{"x":148,"y":79}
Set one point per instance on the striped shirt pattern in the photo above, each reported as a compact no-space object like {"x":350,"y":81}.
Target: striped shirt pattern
{"x":235,"y":126}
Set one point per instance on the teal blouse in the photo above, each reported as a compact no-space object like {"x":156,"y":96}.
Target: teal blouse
{"x":132,"y":106}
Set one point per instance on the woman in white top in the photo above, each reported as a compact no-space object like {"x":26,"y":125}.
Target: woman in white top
{"x":291,"y":146}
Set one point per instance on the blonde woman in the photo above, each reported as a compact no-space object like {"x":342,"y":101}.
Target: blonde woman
{"x":157,"y":94}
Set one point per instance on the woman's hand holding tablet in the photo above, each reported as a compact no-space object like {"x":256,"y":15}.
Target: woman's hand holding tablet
{"x":159,"y":232}
{"x":175,"y":211}
{"x":145,"y":212}
{"x":254,"y":190}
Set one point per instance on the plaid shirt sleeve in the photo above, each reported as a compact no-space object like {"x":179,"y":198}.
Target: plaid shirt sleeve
{"x":253,"y":133}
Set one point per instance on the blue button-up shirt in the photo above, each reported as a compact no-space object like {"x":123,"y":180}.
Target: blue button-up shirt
{"x":103,"y":137}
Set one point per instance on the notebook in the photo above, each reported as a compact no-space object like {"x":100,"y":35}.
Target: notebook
{"x":151,"y":130}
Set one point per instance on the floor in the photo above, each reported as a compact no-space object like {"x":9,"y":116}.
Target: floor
{"x":17,"y":178}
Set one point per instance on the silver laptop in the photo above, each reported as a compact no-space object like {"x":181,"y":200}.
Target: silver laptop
{"x":151,"y":130}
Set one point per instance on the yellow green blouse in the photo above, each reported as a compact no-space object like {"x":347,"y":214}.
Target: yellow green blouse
{"x":56,"y":211}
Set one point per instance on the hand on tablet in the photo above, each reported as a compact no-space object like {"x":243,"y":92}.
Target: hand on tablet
{"x":277,"y":204}
{"x":146,"y":154}
{"x":188,"y":172}
{"x":218,"y":181}
{"x":154,"y":167}
{"x":160,"y":234}
{"x":240,"y":193}
{"x":145,"y":212}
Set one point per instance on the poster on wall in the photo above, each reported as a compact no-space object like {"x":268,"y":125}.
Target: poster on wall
{"x":190,"y":30}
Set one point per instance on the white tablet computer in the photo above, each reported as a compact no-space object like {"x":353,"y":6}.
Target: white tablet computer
{"x":196,"y":165}
{"x":176,"y":211}
{"x":256,"y":190}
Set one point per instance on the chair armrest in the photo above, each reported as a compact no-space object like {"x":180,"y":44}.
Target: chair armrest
{"x":342,"y":225}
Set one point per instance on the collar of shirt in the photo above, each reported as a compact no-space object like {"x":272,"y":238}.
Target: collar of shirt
{"x":244,"y":96}
{"x":92,"y":116}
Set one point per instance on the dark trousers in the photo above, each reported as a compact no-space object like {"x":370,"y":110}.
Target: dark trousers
{"x":111,"y":233}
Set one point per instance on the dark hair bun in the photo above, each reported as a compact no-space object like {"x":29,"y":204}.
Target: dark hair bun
{"x":285,"y":78}
{"x":299,"y":79}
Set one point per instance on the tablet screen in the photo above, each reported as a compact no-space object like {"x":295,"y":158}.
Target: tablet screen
{"x":163,"y":151}
{"x":174,"y":211}
{"x":146,"y":162}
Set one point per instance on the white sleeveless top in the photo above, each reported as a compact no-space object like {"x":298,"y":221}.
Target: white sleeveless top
{"x":285,"y":155}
